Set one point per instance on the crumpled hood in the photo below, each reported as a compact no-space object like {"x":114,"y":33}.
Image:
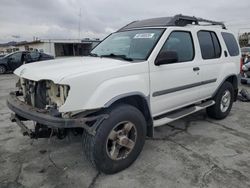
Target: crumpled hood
{"x":58,"y":69}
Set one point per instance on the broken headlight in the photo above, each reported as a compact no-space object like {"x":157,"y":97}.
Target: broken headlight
{"x":43,"y":94}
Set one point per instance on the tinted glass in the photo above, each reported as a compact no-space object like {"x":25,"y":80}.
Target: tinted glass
{"x":231,"y":44}
{"x":16,"y":57}
{"x":135,"y":44}
{"x":206,"y":45}
{"x":45,"y":55}
{"x":180,"y":42}
{"x":34,"y":55}
{"x":217,"y":47}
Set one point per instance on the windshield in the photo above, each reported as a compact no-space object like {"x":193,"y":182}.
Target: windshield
{"x":8,"y":55}
{"x":134,"y":45}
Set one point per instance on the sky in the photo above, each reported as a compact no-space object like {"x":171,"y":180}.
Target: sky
{"x":59,"y":19}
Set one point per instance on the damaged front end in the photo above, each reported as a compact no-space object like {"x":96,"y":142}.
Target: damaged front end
{"x":40,"y":102}
{"x":43,"y":94}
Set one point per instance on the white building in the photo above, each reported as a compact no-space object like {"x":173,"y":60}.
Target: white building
{"x":8,"y":49}
{"x":60,"y":47}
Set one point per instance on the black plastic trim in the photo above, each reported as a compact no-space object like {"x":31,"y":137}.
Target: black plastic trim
{"x":177,"y":20}
{"x":172,"y":90}
{"x":42,"y":116}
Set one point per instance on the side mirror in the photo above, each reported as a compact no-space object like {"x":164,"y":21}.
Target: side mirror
{"x":166,"y":57}
{"x":10,"y":59}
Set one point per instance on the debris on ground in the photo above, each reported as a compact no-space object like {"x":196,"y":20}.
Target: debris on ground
{"x":244,"y":96}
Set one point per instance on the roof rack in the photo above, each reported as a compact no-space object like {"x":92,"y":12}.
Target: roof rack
{"x":177,"y":20}
{"x":181,"y":20}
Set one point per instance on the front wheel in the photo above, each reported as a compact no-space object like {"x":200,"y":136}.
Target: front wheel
{"x":223,"y":102}
{"x":118,"y":140}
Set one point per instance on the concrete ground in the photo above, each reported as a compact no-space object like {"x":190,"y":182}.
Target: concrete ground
{"x":193,"y":152}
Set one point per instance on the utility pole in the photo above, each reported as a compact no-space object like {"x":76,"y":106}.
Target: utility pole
{"x":79,"y":26}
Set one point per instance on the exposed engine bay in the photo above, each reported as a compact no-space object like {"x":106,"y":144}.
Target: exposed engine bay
{"x":40,"y":102}
{"x":43,"y":94}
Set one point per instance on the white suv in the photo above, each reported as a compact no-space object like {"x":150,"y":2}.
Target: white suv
{"x":147,"y":74}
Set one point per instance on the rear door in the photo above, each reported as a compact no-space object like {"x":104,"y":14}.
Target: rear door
{"x":213,"y":57}
{"x":15,"y":60}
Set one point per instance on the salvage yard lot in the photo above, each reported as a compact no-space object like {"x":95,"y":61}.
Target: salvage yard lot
{"x":193,"y":152}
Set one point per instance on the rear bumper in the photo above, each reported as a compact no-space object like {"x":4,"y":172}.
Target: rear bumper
{"x":45,"y":117}
{"x":245,"y":80}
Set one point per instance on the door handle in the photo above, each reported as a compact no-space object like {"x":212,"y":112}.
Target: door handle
{"x":196,"y":68}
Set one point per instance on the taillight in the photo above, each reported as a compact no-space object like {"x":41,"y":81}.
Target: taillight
{"x":241,"y":64}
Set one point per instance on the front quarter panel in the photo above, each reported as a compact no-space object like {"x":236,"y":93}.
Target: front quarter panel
{"x":94,"y":90}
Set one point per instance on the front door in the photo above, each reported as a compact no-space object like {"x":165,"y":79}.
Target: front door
{"x":177,"y":84}
{"x":15,"y":60}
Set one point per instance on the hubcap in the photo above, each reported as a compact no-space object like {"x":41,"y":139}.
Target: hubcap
{"x":225,"y":101}
{"x":121,"y":140}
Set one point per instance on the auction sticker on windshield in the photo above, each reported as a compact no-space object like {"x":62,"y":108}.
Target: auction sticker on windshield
{"x":144,"y":36}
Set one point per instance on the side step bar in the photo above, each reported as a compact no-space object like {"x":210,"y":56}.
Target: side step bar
{"x":172,"y":116}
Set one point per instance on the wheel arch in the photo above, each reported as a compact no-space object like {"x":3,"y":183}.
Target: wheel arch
{"x":5,"y":66}
{"x":234,"y":80}
{"x":138,"y":100}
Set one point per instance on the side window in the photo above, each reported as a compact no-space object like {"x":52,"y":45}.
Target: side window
{"x":209,"y":44}
{"x":16,"y":57}
{"x":34,"y":55}
{"x":231,"y":44}
{"x":180,"y":42}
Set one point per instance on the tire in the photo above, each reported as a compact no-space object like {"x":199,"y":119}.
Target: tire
{"x":96,"y":148}
{"x":219,"y":111}
{"x":2,"y":69}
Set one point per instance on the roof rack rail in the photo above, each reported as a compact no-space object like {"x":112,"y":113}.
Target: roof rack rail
{"x":177,"y":20}
{"x":181,"y":20}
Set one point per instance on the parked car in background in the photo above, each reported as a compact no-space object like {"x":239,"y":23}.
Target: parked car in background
{"x":12,"y":61}
{"x":245,"y":51}
{"x":245,"y":73}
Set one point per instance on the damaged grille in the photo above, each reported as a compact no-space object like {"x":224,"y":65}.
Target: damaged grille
{"x":43,"y":94}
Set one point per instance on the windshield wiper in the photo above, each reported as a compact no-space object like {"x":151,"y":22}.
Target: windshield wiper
{"x":93,"y":55}
{"x":124,"y":57}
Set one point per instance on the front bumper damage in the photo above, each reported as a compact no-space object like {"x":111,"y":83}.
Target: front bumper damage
{"x":24,"y":112}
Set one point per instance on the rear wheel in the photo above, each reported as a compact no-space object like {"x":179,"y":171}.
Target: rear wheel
{"x":2,"y":69}
{"x":223,"y":102}
{"x":118,"y":140}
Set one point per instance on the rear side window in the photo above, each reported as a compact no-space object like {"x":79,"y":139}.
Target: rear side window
{"x":209,"y":44}
{"x":231,"y":44}
{"x":34,"y":55}
{"x":45,"y":55}
{"x":180,"y":42}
